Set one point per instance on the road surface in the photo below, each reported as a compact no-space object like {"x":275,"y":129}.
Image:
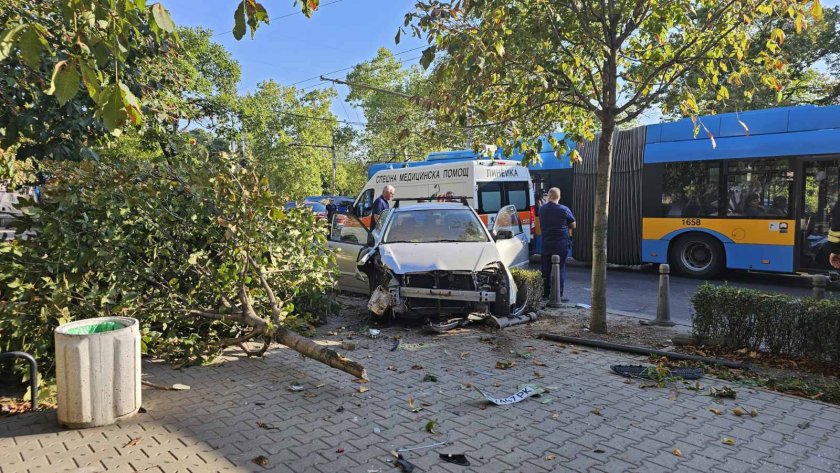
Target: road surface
{"x":636,"y":291}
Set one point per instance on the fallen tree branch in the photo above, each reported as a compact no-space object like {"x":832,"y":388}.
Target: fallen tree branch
{"x":308,"y":348}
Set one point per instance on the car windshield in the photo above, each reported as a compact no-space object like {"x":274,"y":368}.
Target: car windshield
{"x":435,"y":225}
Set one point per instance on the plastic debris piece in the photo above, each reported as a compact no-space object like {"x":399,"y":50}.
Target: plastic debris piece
{"x":457,"y":459}
{"x":295,"y":388}
{"x":524,"y":393}
{"x":374,"y":332}
{"x":396,"y":344}
{"x":581,"y":305}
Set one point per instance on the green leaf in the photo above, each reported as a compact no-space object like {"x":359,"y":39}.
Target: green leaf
{"x":162,"y":18}
{"x":31,"y":44}
{"x":239,"y":21}
{"x":65,"y":82}
{"x":7,"y":41}
{"x":500,"y":48}
{"x":132,"y":105}
{"x":427,"y":57}
{"x":111,"y":108}
{"x":90,"y":78}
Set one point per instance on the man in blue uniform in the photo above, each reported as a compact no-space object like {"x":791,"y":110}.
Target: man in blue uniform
{"x":555,"y":221}
{"x":381,"y":203}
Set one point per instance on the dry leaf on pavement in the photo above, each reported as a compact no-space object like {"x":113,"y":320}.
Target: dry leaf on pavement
{"x":363,"y":389}
{"x":464,"y":354}
{"x":538,"y":363}
{"x":550,"y":457}
{"x":677,"y":452}
{"x":260,"y":460}
{"x":754,"y":413}
{"x":505,"y":364}
{"x":597,"y":412}
{"x":738,"y":411}
{"x":133,"y":442}
{"x":714,"y":411}
{"x":729,"y":441}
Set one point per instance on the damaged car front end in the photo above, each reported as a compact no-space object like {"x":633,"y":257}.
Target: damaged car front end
{"x":437,"y":263}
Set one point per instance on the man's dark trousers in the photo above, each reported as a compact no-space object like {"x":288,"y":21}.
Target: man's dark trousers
{"x":561,"y":249}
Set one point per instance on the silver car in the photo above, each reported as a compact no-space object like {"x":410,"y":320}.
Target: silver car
{"x":433,"y":261}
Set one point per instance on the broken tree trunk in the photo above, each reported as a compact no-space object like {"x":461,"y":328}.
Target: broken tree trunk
{"x":307,"y":347}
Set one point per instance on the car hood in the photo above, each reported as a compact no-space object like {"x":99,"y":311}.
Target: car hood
{"x":404,"y":258}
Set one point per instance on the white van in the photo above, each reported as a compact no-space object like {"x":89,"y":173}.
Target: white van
{"x":488,"y":185}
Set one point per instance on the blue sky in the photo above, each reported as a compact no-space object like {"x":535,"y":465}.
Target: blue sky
{"x":291,"y":49}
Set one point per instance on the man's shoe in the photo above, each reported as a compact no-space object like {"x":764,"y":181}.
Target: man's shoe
{"x":564,"y":299}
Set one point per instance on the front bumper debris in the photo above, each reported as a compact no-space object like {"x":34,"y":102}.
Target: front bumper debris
{"x":449,"y":294}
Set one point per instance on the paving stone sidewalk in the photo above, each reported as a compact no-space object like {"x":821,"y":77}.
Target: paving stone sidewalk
{"x":590,"y":421}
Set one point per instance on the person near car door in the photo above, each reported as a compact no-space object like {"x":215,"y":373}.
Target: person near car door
{"x":381,"y":203}
{"x":834,"y":237}
{"x":555,"y":220}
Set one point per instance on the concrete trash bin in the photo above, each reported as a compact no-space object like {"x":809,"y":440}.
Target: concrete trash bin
{"x":97,"y":371}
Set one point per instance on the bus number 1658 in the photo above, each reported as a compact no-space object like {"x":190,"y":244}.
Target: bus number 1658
{"x":691,"y":222}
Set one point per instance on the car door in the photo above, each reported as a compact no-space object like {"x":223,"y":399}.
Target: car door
{"x":348,"y":236}
{"x":511,"y":238}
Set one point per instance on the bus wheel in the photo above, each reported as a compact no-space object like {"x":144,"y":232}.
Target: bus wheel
{"x":697,"y":255}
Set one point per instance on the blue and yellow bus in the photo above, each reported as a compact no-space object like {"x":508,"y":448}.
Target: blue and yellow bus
{"x":755,"y":195}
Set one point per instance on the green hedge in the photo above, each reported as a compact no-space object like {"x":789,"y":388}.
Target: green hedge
{"x":779,"y":324}
{"x":531,"y":282}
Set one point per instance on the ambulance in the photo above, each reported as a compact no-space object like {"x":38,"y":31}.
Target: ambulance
{"x":487,"y":184}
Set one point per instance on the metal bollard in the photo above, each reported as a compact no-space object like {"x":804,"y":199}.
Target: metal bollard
{"x":663,"y":304}
{"x":819,"y":282}
{"x":33,"y":374}
{"x":554,"y":299}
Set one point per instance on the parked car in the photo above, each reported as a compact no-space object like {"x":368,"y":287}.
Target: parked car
{"x":318,"y":208}
{"x":434,"y":262}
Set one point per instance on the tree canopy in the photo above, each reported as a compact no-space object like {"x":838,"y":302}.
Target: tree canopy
{"x":398,"y":128}
{"x":516,"y":71}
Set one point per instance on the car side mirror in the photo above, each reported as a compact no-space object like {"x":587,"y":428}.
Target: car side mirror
{"x":370,"y":240}
{"x":504,"y":235}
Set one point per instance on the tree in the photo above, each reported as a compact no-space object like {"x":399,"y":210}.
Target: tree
{"x":72,"y":65}
{"x":195,"y":246}
{"x":518,"y":70}
{"x":63,"y":85}
{"x":284,"y":129}
{"x":397,"y":128}
{"x":807,"y":79}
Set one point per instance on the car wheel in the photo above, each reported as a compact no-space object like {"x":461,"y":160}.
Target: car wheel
{"x":697,"y":255}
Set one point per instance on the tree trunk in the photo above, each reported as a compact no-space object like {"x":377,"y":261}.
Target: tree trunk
{"x":307,"y":347}
{"x":598,"y":321}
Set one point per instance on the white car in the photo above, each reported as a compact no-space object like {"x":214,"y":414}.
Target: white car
{"x":431,"y":261}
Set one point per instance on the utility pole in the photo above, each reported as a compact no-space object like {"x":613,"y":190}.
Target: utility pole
{"x":334,"y":162}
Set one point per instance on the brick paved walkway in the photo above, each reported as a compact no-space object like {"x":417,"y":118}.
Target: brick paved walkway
{"x":213,"y":427}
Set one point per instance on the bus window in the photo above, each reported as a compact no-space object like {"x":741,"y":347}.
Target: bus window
{"x":821,"y":187}
{"x":489,"y":197}
{"x":690,"y":189}
{"x":759,"y":188}
{"x":517,"y":195}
